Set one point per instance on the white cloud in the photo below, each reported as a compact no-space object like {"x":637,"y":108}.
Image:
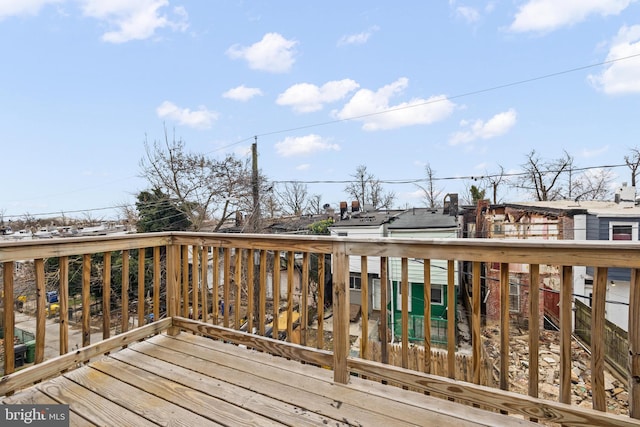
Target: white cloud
{"x":469,"y":14}
{"x":374,"y":109}
{"x":273,"y":53}
{"x":242,"y":93}
{"x":498,"y":125}
{"x":303,"y":167}
{"x":307,"y":97}
{"x":200,"y":119}
{"x":134,"y":20}
{"x":304,"y":145}
{"x":623,"y":75}
{"x":360,"y":38}
{"x":23,"y":7}
{"x":549,"y":15}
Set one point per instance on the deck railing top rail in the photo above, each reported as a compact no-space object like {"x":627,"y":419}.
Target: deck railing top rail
{"x":173,"y":270}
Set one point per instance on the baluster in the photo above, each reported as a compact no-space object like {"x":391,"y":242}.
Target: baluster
{"x":597,"y":338}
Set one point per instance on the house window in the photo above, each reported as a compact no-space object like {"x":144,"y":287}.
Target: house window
{"x":436,"y":294}
{"x":514,"y":297}
{"x":355,"y":282}
{"x":623,"y":231}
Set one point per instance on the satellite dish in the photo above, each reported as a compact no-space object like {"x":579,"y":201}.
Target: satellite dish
{"x":326,"y":206}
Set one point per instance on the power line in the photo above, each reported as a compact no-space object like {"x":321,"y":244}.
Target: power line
{"x":429,"y":102}
{"x":434,"y":101}
{"x":391,"y":110}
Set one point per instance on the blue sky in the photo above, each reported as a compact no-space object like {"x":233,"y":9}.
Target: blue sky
{"x":326,"y":86}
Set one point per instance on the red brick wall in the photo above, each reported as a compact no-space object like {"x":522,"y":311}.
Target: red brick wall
{"x":493,"y":300}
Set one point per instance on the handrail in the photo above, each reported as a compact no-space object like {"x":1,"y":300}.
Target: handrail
{"x":177,"y":269}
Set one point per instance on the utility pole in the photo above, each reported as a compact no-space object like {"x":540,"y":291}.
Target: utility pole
{"x":255,"y":216}
{"x":255,"y":228}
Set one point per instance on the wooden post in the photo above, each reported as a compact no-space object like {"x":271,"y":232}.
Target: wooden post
{"x":86,"y":300}
{"x":290,"y":267}
{"x":141,"y":281}
{"x":426,"y":271}
{"x":8,"y":320}
{"x":304,"y":305}
{"x":250,"y":289}
{"x":204,"y":277}
{"x":404,"y":293}
{"x":566,"y":300}
{"x":504,"y":326}
{"x":156,"y":284}
{"x":384,"y":327}
{"x":215,"y":284}
{"x":63,"y":290}
{"x":262,"y":315}
{"x":364,"y":304}
{"x":320,"y":337}
{"x":476,"y":336}
{"x":598,"y":300}
{"x":634,"y":345}
{"x":238,"y":291}
{"x":275,"y":289}
{"x":125,"y":291}
{"x":185,"y":281}
{"x":195,"y":289}
{"x":106,"y":293}
{"x":41,"y":317}
{"x":173,"y":284}
{"x":534,"y":328}
{"x":340,"y":313}
{"x":451,"y":319}
{"x":226,"y":299}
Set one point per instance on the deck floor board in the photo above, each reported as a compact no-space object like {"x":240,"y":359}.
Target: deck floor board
{"x":191,"y":380}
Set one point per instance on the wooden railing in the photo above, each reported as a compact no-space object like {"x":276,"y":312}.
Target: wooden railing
{"x":222,"y":285}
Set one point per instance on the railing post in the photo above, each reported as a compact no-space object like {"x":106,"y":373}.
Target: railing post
{"x":64,"y":304}
{"x":634,"y":345}
{"x":41,"y":316}
{"x":598,"y":306}
{"x":340,"y":313}
{"x":384,"y":329}
{"x":106,"y":293}
{"x":476,"y":337}
{"x":504,"y":326}
{"x":86,"y":300}
{"x":566,"y":300}
{"x":8,"y":320}
{"x":534,"y":328}
{"x":173,"y":281}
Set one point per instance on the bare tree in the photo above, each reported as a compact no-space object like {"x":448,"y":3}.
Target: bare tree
{"x":204,"y":188}
{"x":129,"y":213}
{"x":89,"y":218}
{"x":271,"y":206}
{"x":593,"y":184}
{"x":314,"y":207}
{"x":368,"y":190}
{"x":543,"y":177}
{"x":633,"y":161}
{"x":293,"y":197}
{"x":431,"y":193}
{"x":493,"y":181}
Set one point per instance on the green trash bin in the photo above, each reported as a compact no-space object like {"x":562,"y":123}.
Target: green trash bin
{"x":31,"y":351}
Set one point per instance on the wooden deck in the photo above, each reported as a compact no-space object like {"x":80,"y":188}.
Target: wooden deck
{"x":194,"y":381}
